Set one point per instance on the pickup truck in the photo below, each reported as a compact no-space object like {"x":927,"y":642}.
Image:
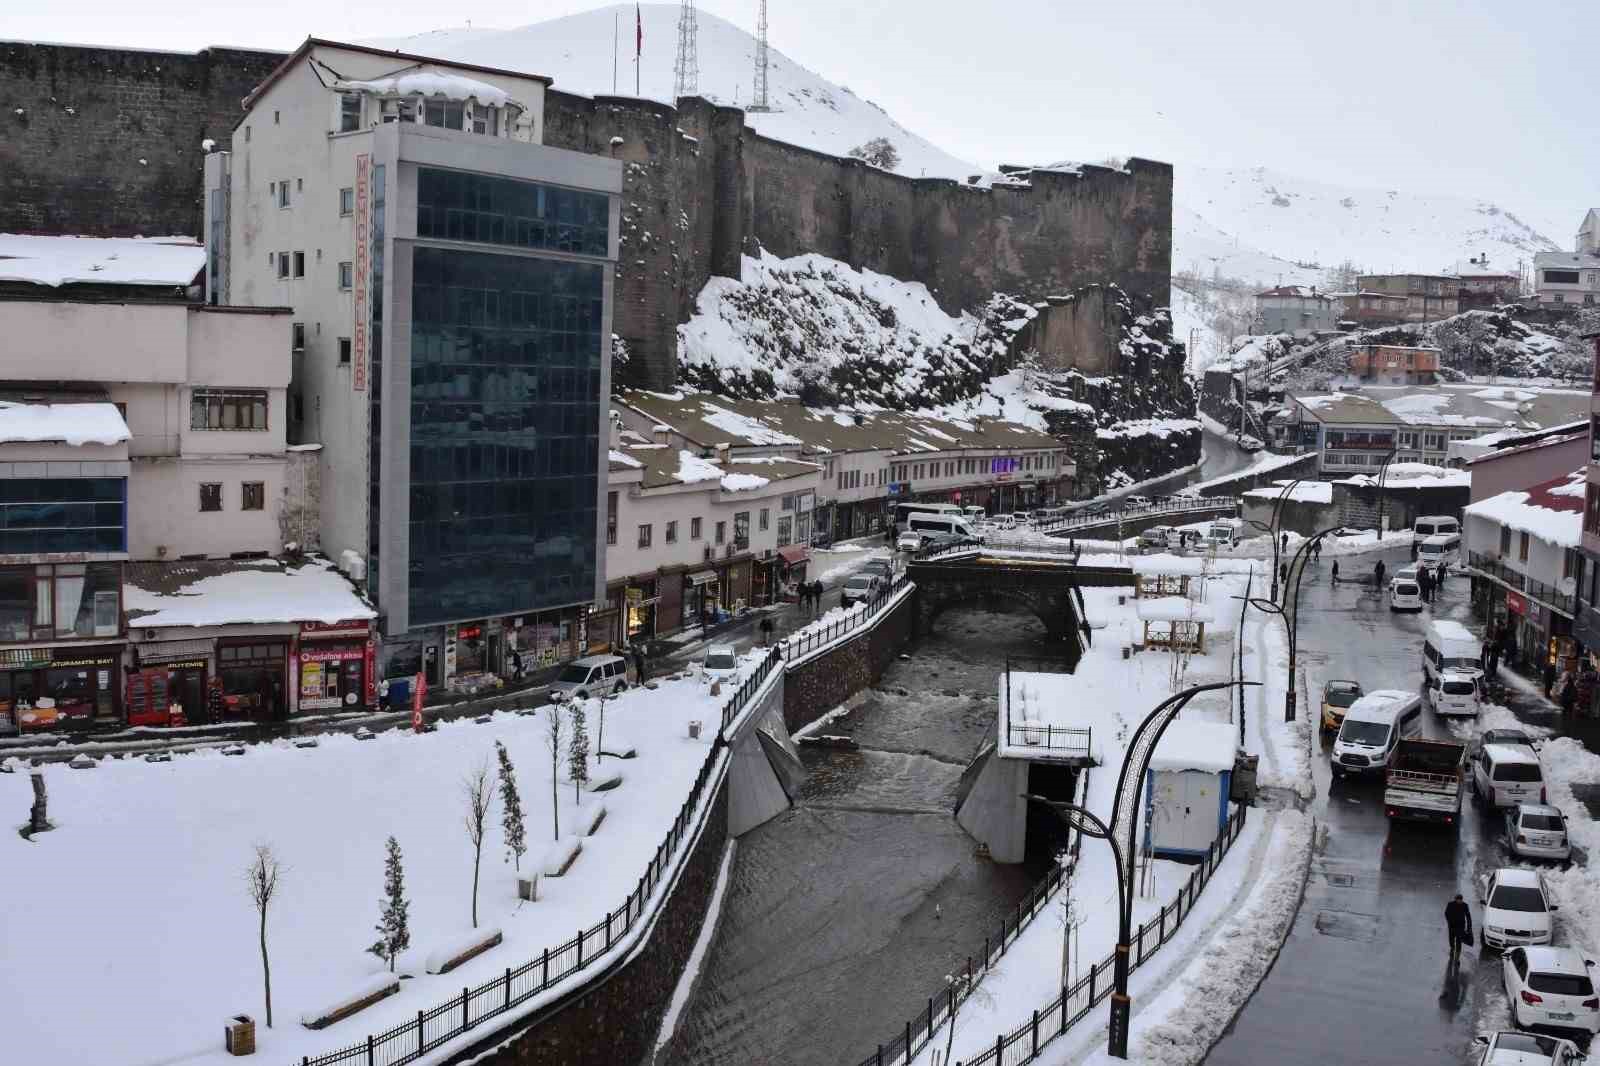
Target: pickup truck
{"x":1423,"y":782}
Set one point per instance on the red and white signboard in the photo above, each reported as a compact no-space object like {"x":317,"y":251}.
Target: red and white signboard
{"x":419,"y":689}
{"x":358,"y":341}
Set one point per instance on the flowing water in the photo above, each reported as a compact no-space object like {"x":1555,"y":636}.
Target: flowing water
{"x":845,"y":912}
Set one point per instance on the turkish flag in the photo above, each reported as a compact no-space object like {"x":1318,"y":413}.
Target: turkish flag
{"x":638,"y":32}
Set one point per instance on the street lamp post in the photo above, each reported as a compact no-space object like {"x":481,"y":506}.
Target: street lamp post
{"x":1274,"y":528}
{"x":1383,"y":472}
{"x":1124,"y":821}
{"x":1291,"y":614}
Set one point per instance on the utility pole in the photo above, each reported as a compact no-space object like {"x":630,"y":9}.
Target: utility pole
{"x":759,"y":103}
{"x":686,"y":68}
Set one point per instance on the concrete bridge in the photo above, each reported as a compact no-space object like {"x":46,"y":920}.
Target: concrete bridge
{"x":1178,"y":511}
{"x":1047,"y":587}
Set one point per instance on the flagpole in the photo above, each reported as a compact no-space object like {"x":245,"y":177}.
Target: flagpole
{"x":616,"y":37}
{"x":638,"y":46}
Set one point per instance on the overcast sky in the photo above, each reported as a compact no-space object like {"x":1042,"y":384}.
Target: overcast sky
{"x":1477,"y":97}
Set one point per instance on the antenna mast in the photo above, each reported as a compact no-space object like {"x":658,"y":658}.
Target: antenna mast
{"x":760,"y":101}
{"x":686,"y":69}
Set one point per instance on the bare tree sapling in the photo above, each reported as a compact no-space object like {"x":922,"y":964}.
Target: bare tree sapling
{"x":394,"y":929}
{"x":261,"y":877}
{"x":554,"y":731}
{"x":480,"y":797}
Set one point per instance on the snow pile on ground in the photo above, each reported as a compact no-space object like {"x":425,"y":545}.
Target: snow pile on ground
{"x":1295,"y":491}
{"x":1358,"y":542}
{"x":54,"y":260}
{"x":819,"y":328}
{"x":181,"y":832}
{"x":70,"y":423}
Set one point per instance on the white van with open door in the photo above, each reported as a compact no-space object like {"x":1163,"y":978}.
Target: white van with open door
{"x":1449,"y":645}
{"x":1373,"y":727}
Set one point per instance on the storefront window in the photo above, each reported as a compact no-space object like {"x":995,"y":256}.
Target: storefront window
{"x":252,"y":679}
{"x":785,"y":530}
{"x":741,"y":531}
{"x":67,"y":600}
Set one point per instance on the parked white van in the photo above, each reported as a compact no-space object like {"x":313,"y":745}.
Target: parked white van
{"x":1449,"y":645}
{"x":1455,"y":692}
{"x":1504,"y":775}
{"x":1440,"y":548}
{"x":1373,"y":727}
{"x":1432,"y":525}
{"x":948,"y":524}
{"x":1405,"y":595}
{"x":904,"y":511}
{"x":1223,"y":534}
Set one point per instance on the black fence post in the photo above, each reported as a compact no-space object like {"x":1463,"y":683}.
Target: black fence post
{"x":546,"y":982}
{"x":580,"y":949}
{"x":1035,"y":1033}
{"x":421,"y":1043}
{"x":608,"y":930}
{"x":466,"y":1009}
{"x":369,"y":1049}
{"x":1092,"y":969}
{"x":508,"y":988}
{"x":908,"y":1039}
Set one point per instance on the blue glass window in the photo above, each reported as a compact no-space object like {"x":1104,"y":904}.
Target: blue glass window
{"x":505,"y":433}
{"x":454,"y":205}
{"x":87,"y":514}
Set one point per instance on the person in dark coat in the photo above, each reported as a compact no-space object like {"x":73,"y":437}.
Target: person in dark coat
{"x":766,"y":632}
{"x":1378,"y":572}
{"x":1458,"y":922}
{"x":1549,"y":677}
{"x":1492,"y":656}
{"x":638,"y":665}
{"x":1425,"y":583}
{"x":816,"y":595}
{"x":1336,"y":571}
{"x":1438,"y":579}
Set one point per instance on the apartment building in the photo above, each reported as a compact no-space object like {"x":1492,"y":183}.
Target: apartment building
{"x":693,"y":536}
{"x":1586,"y":615}
{"x":451,"y":280}
{"x":1297,"y":309}
{"x":1394,"y":364}
{"x":1428,"y":297}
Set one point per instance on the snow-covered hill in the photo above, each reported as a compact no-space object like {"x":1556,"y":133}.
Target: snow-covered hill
{"x":1379,"y":230}
{"x":577,"y":52}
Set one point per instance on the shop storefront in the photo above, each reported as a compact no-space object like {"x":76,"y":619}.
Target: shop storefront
{"x":639,"y":615}
{"x":547,"y":639}
{"x":701,"y":593}
{"x":793,"y":562}
{"x":253,"y":675}
{"x":336,"y":667}
{"x":170,"y":683}
{"x":59,"y":688}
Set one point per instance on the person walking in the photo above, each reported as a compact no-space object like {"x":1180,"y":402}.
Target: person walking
{"x":1492,"y":656}
{"x":1549,"y":677}
{"x":766,"y":631}
{"x":1458,"y":922}
{"x":1425,"y":583}
{"x":1316,"y":551}
{"x":1283,"y":572}
{"x":1438,"y":579}
{"x":1377,"y":572}
{"x":1336,"y":571}
{"x":639,"y":671}
{"x":1283,"y":541}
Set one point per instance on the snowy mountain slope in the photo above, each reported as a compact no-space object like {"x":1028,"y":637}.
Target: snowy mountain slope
{"x":577,"y":52}
{"x":1379,"y":230}
{"x":1201,"y":249}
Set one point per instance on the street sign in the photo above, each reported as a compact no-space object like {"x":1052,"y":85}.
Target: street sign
{"x":419,"y":689}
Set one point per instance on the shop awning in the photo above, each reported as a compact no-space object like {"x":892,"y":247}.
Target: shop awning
{"x":167,"y":651}
{"x":794,"y":553}
{"x":702,"y":577}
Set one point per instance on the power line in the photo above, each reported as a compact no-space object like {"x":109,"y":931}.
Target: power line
{"x":686,"y":68}
{"x":760,"y":101}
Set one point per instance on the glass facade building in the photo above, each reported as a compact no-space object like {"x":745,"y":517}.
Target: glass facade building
{"x":505,"y":398}
{"x":82,"y":514}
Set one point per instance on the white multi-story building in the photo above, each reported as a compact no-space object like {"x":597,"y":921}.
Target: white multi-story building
{"x":451,"y":280}
{"x":1572,"y":277}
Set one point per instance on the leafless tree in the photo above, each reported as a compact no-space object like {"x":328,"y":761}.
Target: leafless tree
{"x":879,"y":151}
{"x":554,"y":732}
{"x":261,"y":876}
{"x":479,"y":794}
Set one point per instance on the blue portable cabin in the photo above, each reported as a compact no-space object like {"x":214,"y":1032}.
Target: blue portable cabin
{"x":1186,"y":789}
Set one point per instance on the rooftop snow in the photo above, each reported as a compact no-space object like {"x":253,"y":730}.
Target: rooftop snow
{"x":47,"y":260}
{"x":1195,"y":745}
{"x":429,"y":81}
{"x":1551,"y":510}
{"x":239,"y":592}
{"x":1303,"y":492}
{"x":1173,"y":609}
{"x":71,"y":423}
{"x":665,"y":467}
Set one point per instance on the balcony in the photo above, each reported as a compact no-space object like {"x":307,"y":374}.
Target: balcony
{"x":1494,"y":568}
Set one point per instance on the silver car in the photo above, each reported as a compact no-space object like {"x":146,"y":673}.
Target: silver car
{"x":1537,"y":831}
{"x":593,"y":675}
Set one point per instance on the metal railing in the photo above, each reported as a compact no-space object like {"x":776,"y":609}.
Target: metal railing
{"x":1171,"y":505}
{"x":820,"y":636}
{"x":1047,"y":737}
{"x":1494,"y":567}
{"x":1075,"y":1001}
{"x":415,"y":1037}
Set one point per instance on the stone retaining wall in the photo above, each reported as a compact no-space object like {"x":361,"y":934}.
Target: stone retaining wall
{"x":827,"y":679}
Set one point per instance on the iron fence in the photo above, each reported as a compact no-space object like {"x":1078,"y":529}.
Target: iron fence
{"x":1047,"y":737}
{"x":415,"y":1037}
{"x":1171,"y":505}
{"x":803,"y":644}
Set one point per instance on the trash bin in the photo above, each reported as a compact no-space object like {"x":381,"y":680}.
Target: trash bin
{"x":239,"y":1035}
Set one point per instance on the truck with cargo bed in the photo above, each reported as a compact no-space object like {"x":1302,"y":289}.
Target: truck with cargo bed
{"x":1423,"y":782}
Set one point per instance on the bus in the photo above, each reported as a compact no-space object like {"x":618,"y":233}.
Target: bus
{"x":902,"y":511}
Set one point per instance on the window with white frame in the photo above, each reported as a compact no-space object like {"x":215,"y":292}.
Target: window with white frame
{"x":349,"y":112}
{"x":283,"y":194}
{"x":347,"y":201}
{"x":347,"y":274}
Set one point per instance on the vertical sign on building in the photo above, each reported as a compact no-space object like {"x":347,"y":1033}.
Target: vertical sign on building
{"x":358,"y":340}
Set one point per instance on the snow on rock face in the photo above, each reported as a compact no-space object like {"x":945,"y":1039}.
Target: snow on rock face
{"x":72,"y":423}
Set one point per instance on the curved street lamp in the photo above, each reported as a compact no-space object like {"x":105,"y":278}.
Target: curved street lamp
{"x":1291,"y":614}
{"x":1124,"y":822}
{"x":1383,"y":472}
{"x":1274,"y":528}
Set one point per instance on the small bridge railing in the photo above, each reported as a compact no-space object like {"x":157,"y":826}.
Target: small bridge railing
{"x":803,"y":644}
{"x":1039,"y":734}
{"x":1171,"y":505}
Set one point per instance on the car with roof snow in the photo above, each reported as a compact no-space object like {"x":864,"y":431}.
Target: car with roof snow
{"x":1551,"y":988}
{"x":1515,"y":738}
{"x":1337,"y":696}
{"x":1135,"y":503}
{"x":1516,"y":909}
{"x":861,"y":588}
{"x":721,"y":662}
{"x":1538,"y":831}
{"x":1511,"y":1048}
{"x":879,"y":565}
{"x":1405,"y":595}
{"x":908,"y":542}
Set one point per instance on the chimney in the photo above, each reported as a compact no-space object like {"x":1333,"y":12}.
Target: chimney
{"x":661,"y":434}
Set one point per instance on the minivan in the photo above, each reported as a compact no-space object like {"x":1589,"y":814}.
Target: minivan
{"x":928,"y":524}
{"x":1455,"y":692}
{"x":1222,"y":534}
{"x":1440,"y":548}
{"x":973,"y":512}
{"x":1504,"y":776}
{"x":1432,"y":525}
{"x":1372,"y":728}
{"x":1449,"y":645}
{"x":594,"y":675}
{"x":1405,"y":595}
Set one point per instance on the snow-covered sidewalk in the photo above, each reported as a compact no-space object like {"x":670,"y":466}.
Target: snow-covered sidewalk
{"x":142,"y":875}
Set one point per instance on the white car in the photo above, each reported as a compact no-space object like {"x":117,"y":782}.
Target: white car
{"x":1516,"y":909}
{"x":1405,"y":595}
{"x":1135,"y":503}
{"x":1550,"y":988}
{"x":721,"y":662}
{"x":1537,"y":831}
{"x":1002,"y":521}
{"x":1455,"y":692}
{"x":1527,"y":1049}
{"x":908,"y":542}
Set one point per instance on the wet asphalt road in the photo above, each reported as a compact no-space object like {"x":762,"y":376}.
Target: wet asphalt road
{"x":1362,"y":977}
